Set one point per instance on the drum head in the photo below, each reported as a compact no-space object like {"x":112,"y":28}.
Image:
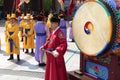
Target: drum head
{"x":93,"y":28}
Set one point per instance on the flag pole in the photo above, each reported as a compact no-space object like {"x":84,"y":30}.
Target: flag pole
{"x":13,"y":6}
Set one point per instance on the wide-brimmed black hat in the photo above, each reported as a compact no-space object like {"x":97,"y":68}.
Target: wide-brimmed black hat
{"x":55,"y":18}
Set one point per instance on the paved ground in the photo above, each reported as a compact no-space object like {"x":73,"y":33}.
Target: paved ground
{"x":27,"y":68}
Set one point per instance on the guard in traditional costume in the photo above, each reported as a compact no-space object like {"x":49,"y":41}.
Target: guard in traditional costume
{"x":42,"y":33}
{"x":28,"y":31}
{"x":55,"y":47}
{"x":63,"y":24}
{"x":48,"y":20}
{"x":12,"y":43}
{"x":6,"y":24}
{"x":33,"y":23}
{"x":21,"y":25}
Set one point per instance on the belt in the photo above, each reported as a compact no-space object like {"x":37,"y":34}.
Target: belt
{"x":50,"y":49}
{"x":40,"y":34}
{"x":62,"y":27}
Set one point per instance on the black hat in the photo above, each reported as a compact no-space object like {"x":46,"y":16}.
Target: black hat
{"x":55,"y":18}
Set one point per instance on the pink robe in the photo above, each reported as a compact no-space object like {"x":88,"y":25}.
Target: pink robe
{"x":55,"y":66}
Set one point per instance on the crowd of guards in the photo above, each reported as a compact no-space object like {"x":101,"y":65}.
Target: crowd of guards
{"x":31,"y":31}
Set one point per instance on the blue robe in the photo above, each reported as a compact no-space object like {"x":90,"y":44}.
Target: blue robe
{"x":63,"y":27}
{"x":39,"y":28}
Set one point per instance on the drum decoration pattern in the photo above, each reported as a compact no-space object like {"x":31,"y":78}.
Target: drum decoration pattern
{"x":93,"y":29}
{"x":97,"y":70}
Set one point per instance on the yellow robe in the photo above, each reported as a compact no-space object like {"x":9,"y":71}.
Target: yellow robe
{"x":33,"y":23}
{"x":6,"y":24}
{"x":21,"y":26}
{"x":28,"y":42}
{"x":13,"y":28}
{"x":48,"y":24}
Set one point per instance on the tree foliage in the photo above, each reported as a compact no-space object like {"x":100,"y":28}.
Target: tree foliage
{"x":47,"y":4}
{"x":1,"y":2}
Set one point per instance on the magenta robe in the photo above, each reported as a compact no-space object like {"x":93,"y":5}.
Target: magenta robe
{"x":55,"y":66}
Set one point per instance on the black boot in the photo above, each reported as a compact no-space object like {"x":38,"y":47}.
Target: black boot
{"x":11,"y":57}
{"x":73,"y":40}
{"x":23,"y":49}
{"x":32,"y":51}
{"x":26,"y":51}
{"x":41,"y":64}
{"x":18,"y":57}
{"x":22,"y":39}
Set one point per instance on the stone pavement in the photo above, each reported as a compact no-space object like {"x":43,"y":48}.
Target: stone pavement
{"x":27,"y":68}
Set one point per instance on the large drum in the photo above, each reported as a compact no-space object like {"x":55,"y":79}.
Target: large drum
{"x":95,"y":28}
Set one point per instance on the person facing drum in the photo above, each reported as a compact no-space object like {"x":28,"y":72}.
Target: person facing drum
{"x":55,"y":47}
{"x":12,"y":43}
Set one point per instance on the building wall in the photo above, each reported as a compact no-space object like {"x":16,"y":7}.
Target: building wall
{"x":8,"y":5}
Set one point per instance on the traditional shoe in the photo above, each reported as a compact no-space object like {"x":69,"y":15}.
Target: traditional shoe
{"x":32,"y":51}
{"x":73,"y":40}
{"x":23,"y":49}
{"x":42,"y":64}
{"x":11,"y":57}
{"x":26,"y":51}
{"x":18,"y":57}
{"x":22,"y":40}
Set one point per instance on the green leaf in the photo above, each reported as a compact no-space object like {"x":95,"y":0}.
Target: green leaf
{"x":47,"y":4}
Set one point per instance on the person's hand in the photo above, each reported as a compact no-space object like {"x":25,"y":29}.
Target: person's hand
{"x":24,"y":34}
{"x":9,"y":37}
{"x":28,"y":35}
{"x":55,"y":53}
{"x":41,"y":48}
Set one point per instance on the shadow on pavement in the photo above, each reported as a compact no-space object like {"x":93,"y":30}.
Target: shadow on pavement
{"x":27,"y":64}
{"x":3,"y":52}
{"x":73,"y":51}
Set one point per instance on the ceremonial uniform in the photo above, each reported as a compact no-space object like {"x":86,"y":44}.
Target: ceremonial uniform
{"x":6,"y":24}
{"x":48,"y":24}
{"x":21,"y":25}
{"x":55,"y":47}
{"x":12,"y":43}
{"x":21,"y":28}
{"x":63,"y":24}
{"x":12,"y":32}
{"x":28,"y":31}
{"x":33,"y":23}
{"x":41,"y":34}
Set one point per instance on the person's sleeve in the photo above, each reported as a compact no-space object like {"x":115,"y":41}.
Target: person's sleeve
{"x":31,"y":32}
{"x":61,"y":49}
{"x":15,"y":31}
